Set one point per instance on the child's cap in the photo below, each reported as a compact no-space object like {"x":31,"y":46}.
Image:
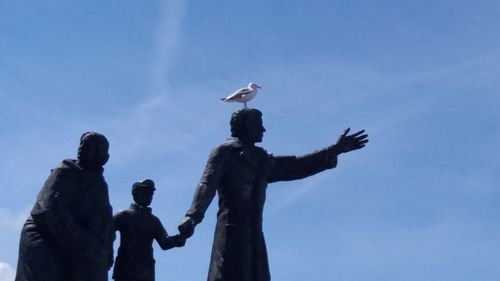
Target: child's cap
{"x":145,"y":184}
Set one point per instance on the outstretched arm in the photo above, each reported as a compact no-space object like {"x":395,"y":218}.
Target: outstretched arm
{"x":285,"y":168}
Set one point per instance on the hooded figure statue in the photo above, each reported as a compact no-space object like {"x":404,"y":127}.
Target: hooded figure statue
{"x":69,"y":234}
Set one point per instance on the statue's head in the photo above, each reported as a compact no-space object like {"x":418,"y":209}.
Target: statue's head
{"x":246,"y":125}
{"x":93,"y":150}
{"x":143,"y":191}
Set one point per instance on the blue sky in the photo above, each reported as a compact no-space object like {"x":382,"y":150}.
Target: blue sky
{"x":420,"y":202}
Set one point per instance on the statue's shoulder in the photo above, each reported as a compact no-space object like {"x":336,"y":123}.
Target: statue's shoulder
{"x":229,"y":146}
{"x":155,"y":218}
{"x":124,"y":212}
{"x":261,"y":150}
{"x":67,"y":169}
{"x":67,"y":165}
{"x":123,"y":216}
{"x":231,"y":143}
{"x":223,"y":147}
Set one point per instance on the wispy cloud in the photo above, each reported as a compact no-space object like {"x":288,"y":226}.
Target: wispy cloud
{"x":139,"y":126}
{"x":167,"y":42}
{"x":385,"y":104}
{"x":295,"y":191}
{"x":138,"y":130}
{"x":478,"y":68}
{"x":7,"y":273}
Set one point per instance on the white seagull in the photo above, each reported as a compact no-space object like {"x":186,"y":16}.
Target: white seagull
{"x":243,"y":95}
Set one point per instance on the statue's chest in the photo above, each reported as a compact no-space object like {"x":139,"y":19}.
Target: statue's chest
{"x":245,"y":174}
{"x":139,"y":224}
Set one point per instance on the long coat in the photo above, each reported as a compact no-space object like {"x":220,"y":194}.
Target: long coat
{"x":69,"y":234}
{"x":239,"y":174}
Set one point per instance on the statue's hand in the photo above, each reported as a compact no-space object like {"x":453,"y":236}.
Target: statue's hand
{"x":186,"y":228}
{"x":352,"y":142}
{"x":181,"y":241}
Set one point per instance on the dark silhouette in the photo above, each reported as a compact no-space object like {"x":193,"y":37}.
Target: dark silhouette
{"x":138,"y":228}
{"x":69,"y":234}
{"x":239,"y":172}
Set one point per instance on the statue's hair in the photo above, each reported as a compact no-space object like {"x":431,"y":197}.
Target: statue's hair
{"x":93,"y":137}
{"x":238,"y":120}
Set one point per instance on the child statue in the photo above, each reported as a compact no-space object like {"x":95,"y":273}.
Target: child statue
{"x":138,"y":228}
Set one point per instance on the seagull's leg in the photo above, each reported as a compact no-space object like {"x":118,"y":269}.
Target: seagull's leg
{"x":244,"y":105}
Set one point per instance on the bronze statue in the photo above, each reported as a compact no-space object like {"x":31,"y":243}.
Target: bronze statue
{"x":138,"y":228}
{"x":69,"y":234}
{"x":239,"y":172}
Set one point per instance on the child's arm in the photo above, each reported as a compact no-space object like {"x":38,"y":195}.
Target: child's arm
{"x":165,"y":241}
{"x":176,"y":240}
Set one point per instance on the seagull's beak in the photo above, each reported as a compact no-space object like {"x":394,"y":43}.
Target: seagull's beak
{"x":258,"y":86}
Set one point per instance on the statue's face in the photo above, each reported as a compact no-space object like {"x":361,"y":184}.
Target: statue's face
{"x":143,"y":196}
{"x":93,"y":152}
{"x":254,"y":129}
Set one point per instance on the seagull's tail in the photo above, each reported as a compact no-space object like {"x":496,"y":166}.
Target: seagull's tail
{"x":223,"y":99}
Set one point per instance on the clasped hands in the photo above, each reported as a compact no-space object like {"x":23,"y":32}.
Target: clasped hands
{"x":186,"y":228}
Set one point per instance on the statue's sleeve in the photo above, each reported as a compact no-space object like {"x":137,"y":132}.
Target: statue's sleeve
{"x":161,"y":236}
{"x":286,"y":168}
{"x":209,"y":182}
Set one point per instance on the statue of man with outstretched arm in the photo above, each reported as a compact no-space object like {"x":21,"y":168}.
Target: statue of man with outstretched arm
{"x":239,"y":171}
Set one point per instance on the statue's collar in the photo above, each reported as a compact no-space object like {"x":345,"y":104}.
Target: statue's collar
{"x":236,"y":142}
{"x":250,"y":154}
{"x":73,"y":164}
{"x":140,"y":208}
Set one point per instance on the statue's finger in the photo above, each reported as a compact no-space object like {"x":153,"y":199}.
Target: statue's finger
{"x":346,"y":132}
{"x":362,"y":137}
{"x":359,"y":146}
{"x":362,"y":142}
{"x":357,"y":133}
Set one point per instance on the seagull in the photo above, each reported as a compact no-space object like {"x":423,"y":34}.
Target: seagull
{"x":243,"y":95}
